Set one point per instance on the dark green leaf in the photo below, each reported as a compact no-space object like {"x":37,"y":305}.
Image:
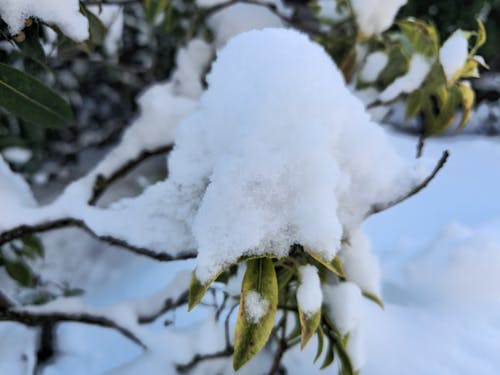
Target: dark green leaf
{"x":26,"y":97}
{"x":20,"y":272}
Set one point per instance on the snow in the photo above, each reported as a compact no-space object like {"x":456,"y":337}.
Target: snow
{"x":453,"y":54}
{"x":375,"y":16}
{"x":344,"y":302}
{"x":309,"y":294}
{"x":241,"y":17}
{"x":16,"y":155}
{"x":280,"y":194}
{"x":255,"y":306}
{"x":14,"y":191}
{"x":360,"y":265}
{"x":411,"y":81}
{"x":373,"y":66}
{"x":64,"y":14}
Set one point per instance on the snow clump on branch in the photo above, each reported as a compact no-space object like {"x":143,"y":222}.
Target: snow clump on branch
{"x":279,"y":152}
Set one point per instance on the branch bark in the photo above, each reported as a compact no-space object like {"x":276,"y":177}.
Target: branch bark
{"x":379,"y":207}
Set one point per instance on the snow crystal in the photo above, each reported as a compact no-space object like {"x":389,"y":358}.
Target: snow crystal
{"x":360,"y":265}
{"x":65,"y":14}
{"x":309,"y":294}
{"x":255,"y":306}
{"x":344,"y":301}
{"x":375,"y":16}
{"x":411,"y":81}
{"x":375,"y":63}
{"x":453,"y":54}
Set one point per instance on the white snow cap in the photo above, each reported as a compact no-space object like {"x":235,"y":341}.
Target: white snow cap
{"x":255,"y":306}
{"x":453,"y":54}
{"x":375,"y":16}
{"x":63,"y":13}
{"x":411,"y":81}
{"x":279,"y":152}
{"x":14,"y":191}
{"x":309,"y":294}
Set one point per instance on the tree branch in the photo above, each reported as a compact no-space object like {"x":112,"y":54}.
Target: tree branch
{"x":22,"y":230}
{"x":33,"y":318}
{"x":102,"y":183}
{"x":204,"y":357}
{"x":379,"y":207}
{"x":169,"y":304}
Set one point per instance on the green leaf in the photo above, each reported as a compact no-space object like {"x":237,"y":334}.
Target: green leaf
{"x":468,"y":98}
{"x":480,"y":36}
{"x":374,"y":298}
{"x":414,"y":103}
{"x":32,"y":246}
{"x":423,"y":36}
{"x":250,"y":336}
{"x":321,"y":339}
{"x":197,"y":290}
{"x":154,"y":8}
{"x":330,"y":356}
{"x":97,"y":30}
{"x":26,"y":97}
{"x":335,"y":265}
{"x":309,"y":323}
{"x":20,"y":272}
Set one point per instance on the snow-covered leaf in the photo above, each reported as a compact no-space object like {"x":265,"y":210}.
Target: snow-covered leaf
{"x":255,"y":321}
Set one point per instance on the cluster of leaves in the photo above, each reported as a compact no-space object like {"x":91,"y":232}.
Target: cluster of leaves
{"x":437,"y":100}
{"x":276,"y":282}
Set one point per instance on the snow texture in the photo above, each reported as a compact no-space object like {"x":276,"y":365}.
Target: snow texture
{"x":375,"y":16}
{"x":17,"y":155}
{"x":64,"y":14}
{"x":14,"y":191}
{"x":411,"y":81}
{"x":255,"y":306}
{"x":360,"y":265}
{"x":374,"y":64}
{"x":309,"y":294}
{"x":453,"y":54}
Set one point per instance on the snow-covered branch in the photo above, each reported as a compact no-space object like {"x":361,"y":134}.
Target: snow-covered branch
{"x":379,"y":207}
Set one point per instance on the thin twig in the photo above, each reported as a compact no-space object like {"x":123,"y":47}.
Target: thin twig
{"x":204,"y":357}
{"x":168,"y":305}
{"x":379,"y":207}
{"x":102,"y":183}
{"x":22,"y":230}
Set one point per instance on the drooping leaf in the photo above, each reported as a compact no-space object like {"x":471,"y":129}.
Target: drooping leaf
{"x":423,"y":36}
{"x":26,"y":97}
{"x":329,"y":357}
{"x":468,"y":98}
{"x":414,"y":103}
{"x":374,"y":298}
{"x":197,"y":290}
{"x":335,"y":265}
{"x":250,"y":336}
{"x":97,"y":30}
{"x":321,"y":339}
{"x":309,"y":323}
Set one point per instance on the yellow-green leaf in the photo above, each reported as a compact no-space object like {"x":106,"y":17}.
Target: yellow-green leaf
{"x":335,"y":265}
{"x":321,"y":339}
{"x":197,"y":290}
{"x":250,"y":334}
{"x":468,"y":98}
{"x":374,"y":298}
{"x":309,"y":323}
{"x":414,"y":104}
{"x":329,"y":357}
